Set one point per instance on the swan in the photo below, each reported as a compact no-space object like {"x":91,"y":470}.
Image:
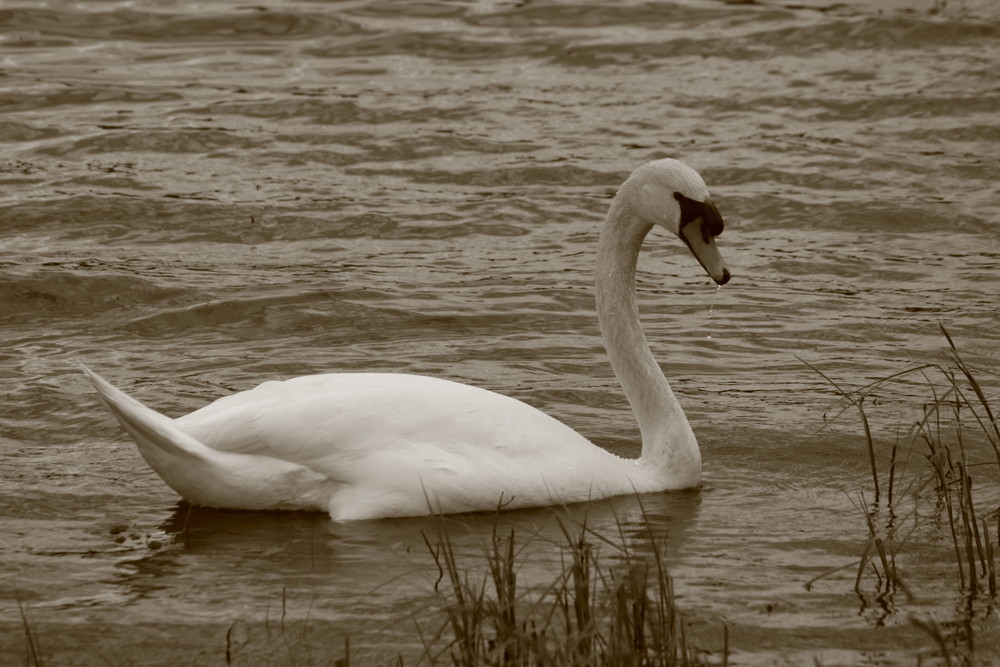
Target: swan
{"x":374,"y":445}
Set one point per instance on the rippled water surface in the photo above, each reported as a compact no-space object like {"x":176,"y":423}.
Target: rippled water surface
{"x":199,"y":196}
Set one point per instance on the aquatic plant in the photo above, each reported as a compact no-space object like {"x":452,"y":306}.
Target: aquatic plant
{"x":592,"y":613}
{"x":955,"y":438}
{"x":605,"y":604}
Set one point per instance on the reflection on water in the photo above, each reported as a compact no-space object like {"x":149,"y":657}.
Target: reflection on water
{"x":342,"y":574}
{"x":200,"y":197}
{"x":305,"y":550}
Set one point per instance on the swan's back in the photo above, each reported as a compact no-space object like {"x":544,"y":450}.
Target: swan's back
{"x":311,"y":417}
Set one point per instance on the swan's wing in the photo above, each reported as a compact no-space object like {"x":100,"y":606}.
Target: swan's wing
{"x":332,"y":420}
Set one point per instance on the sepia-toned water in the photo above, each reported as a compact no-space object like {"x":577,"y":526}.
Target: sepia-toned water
{"x":199,"y":196}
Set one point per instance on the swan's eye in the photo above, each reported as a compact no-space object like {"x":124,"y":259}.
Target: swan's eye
{"x":692,"y":210}
{"x":713,"y":219}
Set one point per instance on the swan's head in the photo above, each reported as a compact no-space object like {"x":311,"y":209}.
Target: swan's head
{"x":672,"y":195}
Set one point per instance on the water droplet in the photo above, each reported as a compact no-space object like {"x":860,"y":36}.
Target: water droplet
{"x":711,"y":307}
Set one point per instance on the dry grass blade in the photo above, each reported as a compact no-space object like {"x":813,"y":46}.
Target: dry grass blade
{"x":858,"y":404}
{"x":932,"y":629}
{"x":33,"y":651}
{"x":990,"y":428}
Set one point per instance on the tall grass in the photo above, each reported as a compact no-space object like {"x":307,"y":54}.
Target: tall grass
{"x":955,"y":438}
{"x":592,"y":613}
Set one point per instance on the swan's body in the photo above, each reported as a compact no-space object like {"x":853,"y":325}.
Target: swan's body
{"x":368,"y":445}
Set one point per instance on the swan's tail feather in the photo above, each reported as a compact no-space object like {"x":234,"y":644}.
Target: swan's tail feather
{"x":153,"y":432}
{"x":205,"y":476}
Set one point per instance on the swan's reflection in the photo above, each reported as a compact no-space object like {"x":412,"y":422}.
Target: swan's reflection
{"x":258,"y":553}
{"x":639,"y":518}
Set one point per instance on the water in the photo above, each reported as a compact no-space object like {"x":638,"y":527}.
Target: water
{"x":197,"y":197}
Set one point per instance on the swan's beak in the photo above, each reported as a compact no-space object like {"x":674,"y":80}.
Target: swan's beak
{"x":699,"y":235}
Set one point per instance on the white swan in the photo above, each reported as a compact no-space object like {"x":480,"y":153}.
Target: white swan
{"x":369,"y":445}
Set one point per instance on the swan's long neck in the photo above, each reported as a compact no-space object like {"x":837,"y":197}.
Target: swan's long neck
{"x":668,"y":443}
